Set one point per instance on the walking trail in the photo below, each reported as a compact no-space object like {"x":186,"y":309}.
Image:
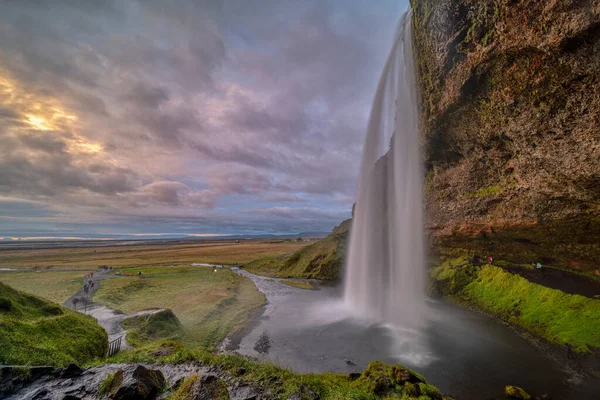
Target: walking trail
{"x":107,"y":318}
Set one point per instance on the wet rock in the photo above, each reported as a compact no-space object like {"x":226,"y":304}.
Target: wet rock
{"x":349,"y":362}
{"x":72,"y":371}
{"x":304,"y":393}
{"x":208,"y":387}
{"x":263,"y":344}
{"x":71,"y":397}
{"x":516,"y":392}
{"x":13,"y":378}
{"x":140,"y":384}
{"x":240,"y":371}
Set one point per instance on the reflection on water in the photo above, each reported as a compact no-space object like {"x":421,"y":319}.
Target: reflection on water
{"x":465,"y":354}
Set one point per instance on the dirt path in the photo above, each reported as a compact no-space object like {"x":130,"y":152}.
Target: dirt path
{"x":107,"y":318}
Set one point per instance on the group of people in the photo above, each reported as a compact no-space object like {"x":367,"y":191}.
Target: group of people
{"x":89,"y":283}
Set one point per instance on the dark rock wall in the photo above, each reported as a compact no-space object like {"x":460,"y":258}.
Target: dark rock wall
{"x":510,"y":104}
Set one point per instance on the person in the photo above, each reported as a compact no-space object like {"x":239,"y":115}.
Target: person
{"x":489,"y":260}
{"x":538,"y":265}
{"x":92,"y":284}
{"x":85,"y":288}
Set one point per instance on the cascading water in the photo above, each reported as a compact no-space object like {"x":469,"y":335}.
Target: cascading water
{"x":385,"y":274}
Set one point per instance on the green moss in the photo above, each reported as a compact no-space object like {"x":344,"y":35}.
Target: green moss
{"x":486,"y":191}
{"x":516,"y":393}
{"x":110,"y":384}
{"x":551,"y":314}
{"x":37,"y":332}
{"x":185,"y":389}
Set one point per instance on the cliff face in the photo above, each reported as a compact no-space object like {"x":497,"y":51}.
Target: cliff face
{"x":510,"y":104}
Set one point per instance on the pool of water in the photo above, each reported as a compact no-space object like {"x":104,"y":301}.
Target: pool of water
{"x":465,"y":354}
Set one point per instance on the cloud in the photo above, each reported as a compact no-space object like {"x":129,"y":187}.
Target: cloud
{"x":218,"y":114}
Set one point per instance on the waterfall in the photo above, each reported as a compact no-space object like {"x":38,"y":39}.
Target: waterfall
{"x":385,"y":270}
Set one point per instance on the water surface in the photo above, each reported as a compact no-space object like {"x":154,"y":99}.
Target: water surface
{"x":465,"y":354}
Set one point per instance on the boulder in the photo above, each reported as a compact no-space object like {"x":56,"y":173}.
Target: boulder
{"x":207,"y":387}
{"x":140,"y":383}
{"x":305,"y":393}
{"x":516,"y":392}
{"x":71,"y":371}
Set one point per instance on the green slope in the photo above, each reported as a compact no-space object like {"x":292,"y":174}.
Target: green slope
{"x":320,"y":260}
{"x":34,"y":331}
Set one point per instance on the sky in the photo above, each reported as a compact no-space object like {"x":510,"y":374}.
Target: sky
{"x":194,"y":117}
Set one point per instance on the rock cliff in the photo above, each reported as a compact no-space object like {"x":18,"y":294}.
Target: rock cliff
{"x":510,"y":104}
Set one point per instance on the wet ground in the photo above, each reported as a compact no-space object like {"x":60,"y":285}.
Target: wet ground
{"x":465,"y":354}
{"x":558,"y":279}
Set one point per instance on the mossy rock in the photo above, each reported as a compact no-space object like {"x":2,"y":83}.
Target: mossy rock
{"x":516,"y":392}
{"x":383,"y":380}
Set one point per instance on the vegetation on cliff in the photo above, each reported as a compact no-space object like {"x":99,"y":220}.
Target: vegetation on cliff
{"x":510,"y":111}
{"x":548,"y":313}
{"x":320,"y":260}
{"x":34,"y":331}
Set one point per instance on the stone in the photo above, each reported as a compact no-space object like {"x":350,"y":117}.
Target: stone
{"x":516,"y":392}
{"x":208,"y":387}
{"x":140,"y":384}
{"x":240,"y":371}
{"x":72,"y":371}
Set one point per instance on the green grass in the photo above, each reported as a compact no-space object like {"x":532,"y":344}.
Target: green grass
{"x":34,"y":331}
{"x":320,"y":260}
{"x":299,"y":284}
{"x":56,"y":286}
{"x":378,"y":380}
{"x":144,"y":329}
{"x":210,"y":305}
{"x":548,"y":313}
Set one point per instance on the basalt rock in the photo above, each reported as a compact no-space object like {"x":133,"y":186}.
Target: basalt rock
{"x":140,"y":383}
{"x":510,"y":113}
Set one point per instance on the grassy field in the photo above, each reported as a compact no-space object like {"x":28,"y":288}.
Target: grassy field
{"x":551,"y":314}
{"x":34,"y":331}
{"x":217,"y":252}
{"x":210,"y":305}
{"x":56,"y":286}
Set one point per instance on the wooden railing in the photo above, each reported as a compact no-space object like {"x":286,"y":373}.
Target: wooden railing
{"x":114,"y":346}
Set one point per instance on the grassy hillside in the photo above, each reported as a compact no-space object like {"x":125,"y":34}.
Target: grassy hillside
{"x":34,"y":331}
{"x":210,"y":305}
{"x":548,"y":313}
{"x":320,"y":260}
